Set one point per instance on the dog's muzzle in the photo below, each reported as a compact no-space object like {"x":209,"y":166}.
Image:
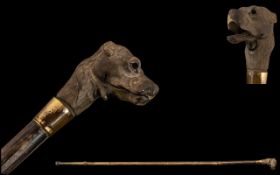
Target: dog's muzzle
{"x":147,"y":91}
{"x":240,"y":34}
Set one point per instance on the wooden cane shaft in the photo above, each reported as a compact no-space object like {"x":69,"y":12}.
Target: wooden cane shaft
{"x":48,"y":121}
{"x":21,"y":146}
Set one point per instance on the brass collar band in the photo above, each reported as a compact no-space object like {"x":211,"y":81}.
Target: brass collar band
{"x":53,"y":116}
{"x":256,"y":77}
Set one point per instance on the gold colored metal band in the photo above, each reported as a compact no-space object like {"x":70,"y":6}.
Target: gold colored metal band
{"x":53,"y":116}
{"x":256,"y":77}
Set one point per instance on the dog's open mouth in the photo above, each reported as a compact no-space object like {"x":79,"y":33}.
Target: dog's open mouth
{"x":241,"y":35}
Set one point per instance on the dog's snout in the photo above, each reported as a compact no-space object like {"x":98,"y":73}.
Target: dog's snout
{"x":156,"y":89}
{"x":232,"y":16}
{"x":150,"y":90}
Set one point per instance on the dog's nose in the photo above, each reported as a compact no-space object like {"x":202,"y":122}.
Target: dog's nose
{"x":150,"y":90}
{"x":232,"y":20}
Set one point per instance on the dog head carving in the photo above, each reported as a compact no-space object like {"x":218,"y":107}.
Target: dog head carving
{"x":113,"y":69}
{"x":254,"y":26}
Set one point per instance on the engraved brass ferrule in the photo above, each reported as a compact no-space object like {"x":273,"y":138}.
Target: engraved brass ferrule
{"x":256,"y":77}
{"x":53,"y":116}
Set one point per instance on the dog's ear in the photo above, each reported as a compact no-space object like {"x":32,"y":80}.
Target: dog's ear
{"x":273,"y":17}
{"x":109,"y":48}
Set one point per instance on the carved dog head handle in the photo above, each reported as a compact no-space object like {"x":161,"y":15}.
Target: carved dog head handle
{"x":254,"y":26}
{"x":112,"y":70}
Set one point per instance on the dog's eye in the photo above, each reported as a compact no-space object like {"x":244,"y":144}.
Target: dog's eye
{"x":134,"y":65}
{"x":253,"y":11}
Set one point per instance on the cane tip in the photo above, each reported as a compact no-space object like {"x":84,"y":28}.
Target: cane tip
{"x":272,"y":163}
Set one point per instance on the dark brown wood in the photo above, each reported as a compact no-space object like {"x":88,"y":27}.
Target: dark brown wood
{"x":254,"y":26}
{"x":50,"y":119}
{"x":21,"y":146}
